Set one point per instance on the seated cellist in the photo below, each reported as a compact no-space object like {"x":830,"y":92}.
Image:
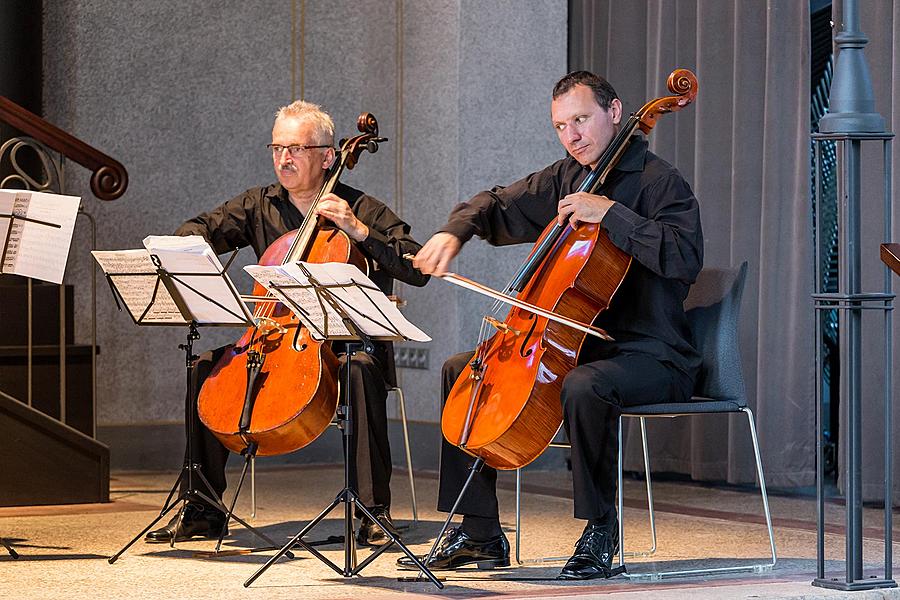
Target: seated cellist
{"x":302,"y":150}
{"x":649,"y":212}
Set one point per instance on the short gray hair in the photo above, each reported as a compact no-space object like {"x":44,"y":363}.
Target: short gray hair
{"x":307,"y":111}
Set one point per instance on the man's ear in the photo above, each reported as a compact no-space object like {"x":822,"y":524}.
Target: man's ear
{"x":615,"y":107}
{"x":329,"y":158}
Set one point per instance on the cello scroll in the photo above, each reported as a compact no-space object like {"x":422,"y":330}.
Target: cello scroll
{"x":681,"y":82}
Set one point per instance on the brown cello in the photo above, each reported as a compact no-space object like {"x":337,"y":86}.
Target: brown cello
{"x":504,"y":407}
{"x":276,"y":389}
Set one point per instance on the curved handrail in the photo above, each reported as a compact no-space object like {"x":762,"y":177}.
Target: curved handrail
{"x":109,"y":179}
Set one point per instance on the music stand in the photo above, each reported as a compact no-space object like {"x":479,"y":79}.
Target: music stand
{"x":187,"y":309}
{"x":7,"y":239}
{"x":355,"y":320}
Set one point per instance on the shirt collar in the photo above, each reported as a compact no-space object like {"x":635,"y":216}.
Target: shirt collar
{"x":634,"y":157}
{"x":277,"y":192}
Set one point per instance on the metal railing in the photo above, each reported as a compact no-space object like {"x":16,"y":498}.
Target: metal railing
{"x":45,"y":145}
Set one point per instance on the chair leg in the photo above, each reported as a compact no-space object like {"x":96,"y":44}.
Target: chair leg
{"x":412,"y":484}
{"x":253,"y":486}
{"x":519,"y":559}
{"x":755,"y":568}
{"x":652,"y":549}
{"x":518,"y":515}
{"x":621,"y":497}
{"x":762,"y":486}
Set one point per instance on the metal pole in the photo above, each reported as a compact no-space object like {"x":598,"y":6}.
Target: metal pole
{"x":820,"y":466}
{"x":888,"y":365}
{"x":852,"y":374}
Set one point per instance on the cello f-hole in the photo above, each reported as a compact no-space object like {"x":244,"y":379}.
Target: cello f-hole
{"x":522,"y":351}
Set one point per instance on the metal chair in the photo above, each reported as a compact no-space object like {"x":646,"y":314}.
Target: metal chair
{"x":713,"y":310}
{"x":712,"y":307}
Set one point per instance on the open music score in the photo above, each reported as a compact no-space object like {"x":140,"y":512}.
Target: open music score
{"x":36,"y":231}
{"x":296,"y":285}
{"x":137,"y":291}
{"x":142,"y":279}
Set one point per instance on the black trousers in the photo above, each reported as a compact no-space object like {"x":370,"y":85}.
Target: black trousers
{"x":370,"y":461}
{"x":592,"y":396}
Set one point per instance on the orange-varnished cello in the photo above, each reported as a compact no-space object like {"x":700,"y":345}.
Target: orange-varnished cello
{"x":504,"y":407}
{"x":276,"y":388}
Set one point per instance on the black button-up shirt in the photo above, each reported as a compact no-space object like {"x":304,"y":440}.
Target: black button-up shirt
{"x":261,"y":215}
{"x":656,"y":220}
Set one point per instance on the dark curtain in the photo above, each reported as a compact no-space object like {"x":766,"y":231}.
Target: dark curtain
{"x":744,"y":147}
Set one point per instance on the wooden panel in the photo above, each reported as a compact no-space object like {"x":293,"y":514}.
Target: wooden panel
{"x":46,"y":462}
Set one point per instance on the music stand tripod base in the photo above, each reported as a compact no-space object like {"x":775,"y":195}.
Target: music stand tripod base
{"x":348,"y":495}
{"x":190,"y":469}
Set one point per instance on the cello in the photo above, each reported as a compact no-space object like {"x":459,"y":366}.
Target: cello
{"x":504,"y":408}
{"x":276,"y":390}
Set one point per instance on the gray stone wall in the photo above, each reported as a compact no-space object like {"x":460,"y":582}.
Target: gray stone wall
{"x":183,"y":94}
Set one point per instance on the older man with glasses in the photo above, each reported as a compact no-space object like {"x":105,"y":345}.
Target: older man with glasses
{"x":302,"y":151}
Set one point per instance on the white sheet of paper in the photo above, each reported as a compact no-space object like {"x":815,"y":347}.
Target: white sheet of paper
{"x":368,"y":307}
{"x":137,"y":291}
{"x":191,"y":261}
{"x":313,"y":314}
{"x":36,"y":250}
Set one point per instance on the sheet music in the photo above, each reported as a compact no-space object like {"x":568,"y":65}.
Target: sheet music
{"x":313,"y":313}
{"x":36,"y":250}
{"x":190,"y":260}
{"x":137,"y":291}
{"x":364,"y":302}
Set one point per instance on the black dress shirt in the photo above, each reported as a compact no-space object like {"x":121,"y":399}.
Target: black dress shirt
{"x":656,"y":220}
{"x":261,"y":215}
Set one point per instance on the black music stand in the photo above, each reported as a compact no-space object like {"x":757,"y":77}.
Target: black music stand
{"x":3,"y":254}
{"x":354,"y":320}
{"x":164,"y":280}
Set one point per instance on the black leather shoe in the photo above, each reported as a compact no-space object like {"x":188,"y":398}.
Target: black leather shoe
{"x":370,"y":534}
{"x":198,"y":520}
{"x":593,"y":554}
{"x":459,"y":550}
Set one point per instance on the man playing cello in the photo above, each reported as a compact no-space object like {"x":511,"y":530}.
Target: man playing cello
{"x":648,"y":211}
{"x":302,"y":151}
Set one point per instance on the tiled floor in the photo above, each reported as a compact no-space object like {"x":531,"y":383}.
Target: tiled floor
{"x":64,"y":549}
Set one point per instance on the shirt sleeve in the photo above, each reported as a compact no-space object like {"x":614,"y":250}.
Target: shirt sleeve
{"x":227,"y":226}
{"x":512,"y":214}
{"x":389,"y":241}
{"x":669,"y":242}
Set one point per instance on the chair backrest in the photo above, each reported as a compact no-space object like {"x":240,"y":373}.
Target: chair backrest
{"x":713,"y":308}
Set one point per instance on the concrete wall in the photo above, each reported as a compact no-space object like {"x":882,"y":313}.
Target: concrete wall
{"x":183,"y":95}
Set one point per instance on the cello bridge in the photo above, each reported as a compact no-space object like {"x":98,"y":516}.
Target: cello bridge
{"x":266,"y":325}
{"x":501,"y":326}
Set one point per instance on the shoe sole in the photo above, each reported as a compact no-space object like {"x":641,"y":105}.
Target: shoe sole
{"x":182,"y":539}
{"x":482,"y":565}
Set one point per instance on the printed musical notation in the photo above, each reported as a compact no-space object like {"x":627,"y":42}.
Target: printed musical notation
{"x":36,"y":232}
{"x":355,"y":294}
{"x":193,"y":274}
{"x":126,"y":268}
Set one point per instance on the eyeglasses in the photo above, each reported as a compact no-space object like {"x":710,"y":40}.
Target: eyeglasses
{"x":295,"y":150}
